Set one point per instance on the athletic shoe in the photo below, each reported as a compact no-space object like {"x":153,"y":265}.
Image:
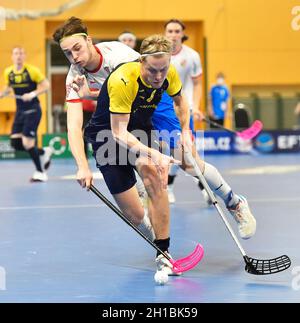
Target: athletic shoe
{"x":171,"y":195}
{"x":164,"y":264}
{"x":244,"y":218}
{"x":39,"y":177}
{"x":46,"y":157}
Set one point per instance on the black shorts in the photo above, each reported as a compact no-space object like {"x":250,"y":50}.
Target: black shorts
{"x":116,"y":163}
{"x":27,"y":122}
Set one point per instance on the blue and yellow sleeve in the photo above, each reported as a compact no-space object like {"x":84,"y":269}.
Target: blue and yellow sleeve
{"x":122,"y":92}
{"x":6,"y":76}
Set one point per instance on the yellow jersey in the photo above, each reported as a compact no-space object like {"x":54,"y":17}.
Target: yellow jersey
{"x":125,"y":92}
{"x":23,"y":81}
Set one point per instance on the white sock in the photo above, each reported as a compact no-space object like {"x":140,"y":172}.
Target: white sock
{"x":146,"y":227}
{"x":217,"y":183}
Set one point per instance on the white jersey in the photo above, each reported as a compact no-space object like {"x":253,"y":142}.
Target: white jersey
{"x":188,"y":66}
{"x":111,"y":55}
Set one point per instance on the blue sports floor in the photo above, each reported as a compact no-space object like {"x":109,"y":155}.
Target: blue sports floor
{"x":59,"y":243}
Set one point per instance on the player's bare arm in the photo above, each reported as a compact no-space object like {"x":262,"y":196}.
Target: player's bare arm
{"x":75,"y":137}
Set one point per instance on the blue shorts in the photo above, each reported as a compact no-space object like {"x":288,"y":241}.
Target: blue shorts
{"x":27,"y":122}
{"x":166,"y":123}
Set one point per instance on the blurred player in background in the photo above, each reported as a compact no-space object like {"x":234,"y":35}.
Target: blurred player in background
{"x":27,"y":82}
{"x":128,"y":38}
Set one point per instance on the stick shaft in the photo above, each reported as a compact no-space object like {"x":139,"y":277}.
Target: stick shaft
{"x":210,"y":122}
{"x":203,"y":181}
{"x":123,"y":217}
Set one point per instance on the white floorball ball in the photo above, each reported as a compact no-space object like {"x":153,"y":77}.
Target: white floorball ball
{"x":161,"y":277}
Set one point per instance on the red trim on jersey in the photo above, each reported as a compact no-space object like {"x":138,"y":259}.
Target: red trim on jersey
{"x":74,"y":100}
{"x":100,"y":62}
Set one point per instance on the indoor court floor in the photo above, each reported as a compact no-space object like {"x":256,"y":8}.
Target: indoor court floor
{"x":60,"y":243}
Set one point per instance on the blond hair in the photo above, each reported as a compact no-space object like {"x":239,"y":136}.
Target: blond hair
{"x":155,"y":44}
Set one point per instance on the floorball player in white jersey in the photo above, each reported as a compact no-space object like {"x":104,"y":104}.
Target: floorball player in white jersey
{"x":90,"y":66}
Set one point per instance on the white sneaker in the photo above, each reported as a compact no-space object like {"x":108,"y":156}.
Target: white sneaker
{"x":39,"y":177}
{"x":171,"y":195}
{"x":244,"y":218}
{"x":46,"y":157}
{"x":164,"y":264}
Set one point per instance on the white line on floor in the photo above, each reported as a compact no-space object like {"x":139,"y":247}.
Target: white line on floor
{"x":17,"y":208}
{"x":67,"y":206}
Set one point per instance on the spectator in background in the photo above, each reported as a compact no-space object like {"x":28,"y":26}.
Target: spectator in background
{"x":128,"y":38}
{"x":218,"y":100}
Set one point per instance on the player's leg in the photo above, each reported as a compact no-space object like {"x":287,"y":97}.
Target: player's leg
{"x":158,"y":204}
{"x":16,"y":132}
{"x":31,"y":121}
{"x":201,"y":187}
{"x":164,"y":125}
{"x":159,"y":210}
{"x":126,"y":195}
{"x":170,"y":131}
{"x":44,"y":152}
{"x":236,"y":204}
{"x":45,"y":157}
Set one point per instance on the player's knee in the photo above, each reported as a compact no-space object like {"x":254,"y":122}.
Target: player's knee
{"x":17,"y":144}
{"x":151,"y":180}
{"x":136,"y":215}
{"x":28,"y":143}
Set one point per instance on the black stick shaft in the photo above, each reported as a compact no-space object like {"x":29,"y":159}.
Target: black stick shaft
{"x":210,"y":122}
{"x":123,"y":217}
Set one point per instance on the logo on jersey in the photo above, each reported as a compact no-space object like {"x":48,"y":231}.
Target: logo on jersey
{"x":151,"y":96}
{"x":25,"y":77}
{"x":125,"y":82}
{"x":18,"y":79}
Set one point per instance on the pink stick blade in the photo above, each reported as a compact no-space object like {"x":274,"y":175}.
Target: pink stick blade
{"x":189,"y":262}
{"x":253,"y":131}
